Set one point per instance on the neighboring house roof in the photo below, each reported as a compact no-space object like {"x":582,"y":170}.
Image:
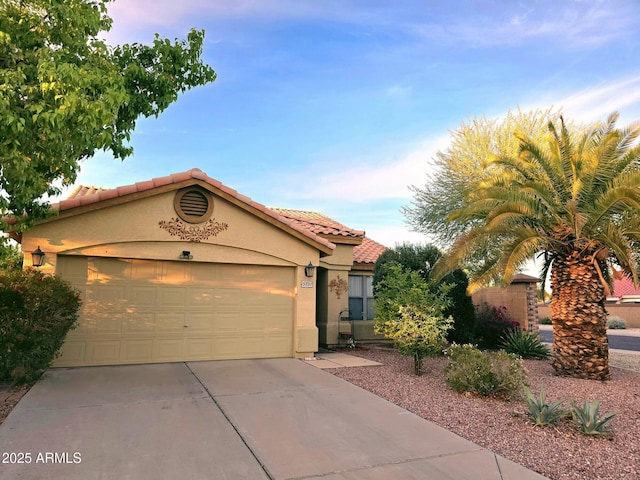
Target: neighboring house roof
{"x":522,"y":278}
{"x":367,"y":252}
{"x":623,"y":285}
{"x":83,"y":198}
{"x":322,"y":225}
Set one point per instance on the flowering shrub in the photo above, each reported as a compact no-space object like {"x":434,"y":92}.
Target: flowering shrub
{"x":36,"y":312}
{"x":491,"y":324}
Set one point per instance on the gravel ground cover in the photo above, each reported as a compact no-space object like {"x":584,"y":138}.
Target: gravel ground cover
{"x":558,"y":452}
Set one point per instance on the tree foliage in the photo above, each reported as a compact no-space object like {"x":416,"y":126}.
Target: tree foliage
{"x":575,"y":198}
{"x":65,"y":94}
{"x":421,"y":259}
{"x":411,"y":314}
{"x":10,"y":255}
{"x":461,"y":168}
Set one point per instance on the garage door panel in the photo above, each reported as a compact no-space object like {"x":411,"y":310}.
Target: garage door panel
{"x":108,"y":326}
{"x":105,"y":270}
{"x":174,"y":273}
{"x":169,"y":323}
{"x":141,"y":296}
{"x":151,"y":311}
{"x":146,"y":270}
{"x":199,"y":323}
{"x":103,"y":352}
{"x":278,"y":324}
{"x":168,"y":349}
{"x":173,"y":297}
{"x":73,"y":353}
{"x":198,"y":348}
{"x":201,"y":297}
{"x":139,"y":323}
{"x":137,"y":351}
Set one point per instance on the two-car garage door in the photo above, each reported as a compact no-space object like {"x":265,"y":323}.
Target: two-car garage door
{"x":145,"y":311}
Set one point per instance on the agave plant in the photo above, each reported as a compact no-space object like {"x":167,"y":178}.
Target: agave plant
{"x":586,"y":418}
{"x":525,"y":344}
{"x":541,"y":412}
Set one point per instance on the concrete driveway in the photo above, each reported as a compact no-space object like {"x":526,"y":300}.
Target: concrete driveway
{"x":241,"y":419}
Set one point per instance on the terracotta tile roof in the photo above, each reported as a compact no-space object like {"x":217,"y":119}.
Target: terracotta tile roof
{"x":368,"y":251}
{"x":82,"y":190}
{"x":82,"y":196}
{"x":624,"y":286}
{"x":318,"y":223}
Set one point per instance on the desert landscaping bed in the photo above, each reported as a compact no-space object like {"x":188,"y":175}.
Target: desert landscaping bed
{"x":558,"y":452}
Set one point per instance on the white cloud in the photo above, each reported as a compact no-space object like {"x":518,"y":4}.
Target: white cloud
{"x":596,"y":102}
{"x":570,"y":24}
{"x":373,"y":179}
{"x":390,"y":236}
{"x":143,"y":13}
{"x":599,"y":101}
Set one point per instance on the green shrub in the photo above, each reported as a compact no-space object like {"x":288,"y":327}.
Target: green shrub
{"x":541,"y":412}
{"x":586,"y":418}
{"x":491,"y":324}
{"x":419,"y":335}
{"x":36,"y":312}
{"x":545,"y":321}
{"x":494,"y":374}
{"x":616,"y":323}
{"x":411,"y":314}
{"x":524,"y":344}
{"x":421,"y":259}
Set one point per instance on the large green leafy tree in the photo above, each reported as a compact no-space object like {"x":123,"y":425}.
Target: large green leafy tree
{"x":65,"y":93}
{"x":460,"y":168}
{"x":574,"y":197}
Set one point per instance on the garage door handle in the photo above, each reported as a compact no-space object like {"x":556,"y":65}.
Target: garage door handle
{"x":185,"y":326}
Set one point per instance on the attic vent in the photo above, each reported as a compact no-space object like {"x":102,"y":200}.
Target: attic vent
{"x":193,"y":205}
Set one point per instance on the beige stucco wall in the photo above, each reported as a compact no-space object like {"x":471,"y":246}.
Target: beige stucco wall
{"x":131,"y":230}
{"x":516,"y":298}
{"x":334,"y":292}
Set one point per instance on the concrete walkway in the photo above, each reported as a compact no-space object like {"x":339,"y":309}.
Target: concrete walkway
{"x":339,"y":360}
{"x":245,"y":419}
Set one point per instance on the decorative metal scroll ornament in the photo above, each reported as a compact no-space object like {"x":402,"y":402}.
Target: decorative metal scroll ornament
{"x":339,"y":286}
{"x":192,"y":233}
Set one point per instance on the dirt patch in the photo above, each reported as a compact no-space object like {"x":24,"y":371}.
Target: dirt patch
{"x":9,"y":398}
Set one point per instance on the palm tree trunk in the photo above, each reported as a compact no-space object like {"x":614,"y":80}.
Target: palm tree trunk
{"x":580,"y":344}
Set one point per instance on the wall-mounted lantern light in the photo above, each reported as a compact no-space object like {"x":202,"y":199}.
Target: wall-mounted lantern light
{"x":308,"y":270}
{"x":185,"y":255}
{"x":37,"y":257}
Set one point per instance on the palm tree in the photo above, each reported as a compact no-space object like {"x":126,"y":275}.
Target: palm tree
{"x":576,"y":202}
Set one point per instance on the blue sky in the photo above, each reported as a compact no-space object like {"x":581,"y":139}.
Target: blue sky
{"x":339,"y":106}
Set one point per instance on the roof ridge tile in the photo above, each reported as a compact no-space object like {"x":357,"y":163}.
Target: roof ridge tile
{"x":194,"y":173}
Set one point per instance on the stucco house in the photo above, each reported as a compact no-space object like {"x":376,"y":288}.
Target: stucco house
{"x":183,"y":268}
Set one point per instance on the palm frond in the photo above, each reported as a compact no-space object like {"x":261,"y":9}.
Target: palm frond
{"x":525,"y":244}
